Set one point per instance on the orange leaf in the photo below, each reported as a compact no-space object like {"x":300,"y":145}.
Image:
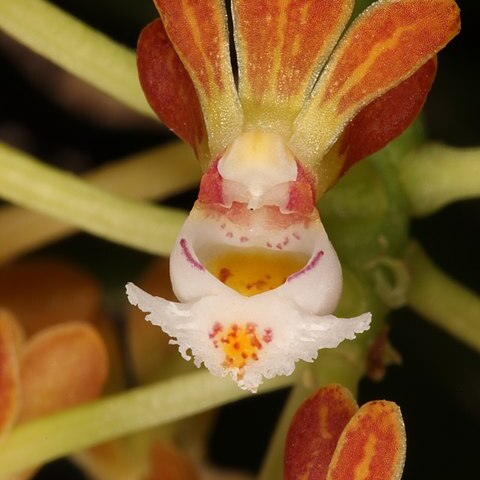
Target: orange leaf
{"x":314,"y":432}
{"x":170,"y":464}
{"x":199,"y":33}
{"x":372,"y":446}
{"x":41,"y":293}
{"x":60,"y":367}
{"x":9,"y":377}
{"x":168,"y":87}
{"x":384,"y":46}
{"x":386,"y":117}
{"x":281,"y":47}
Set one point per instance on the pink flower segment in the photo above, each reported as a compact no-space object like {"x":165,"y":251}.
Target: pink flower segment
{"x":255,"y":274}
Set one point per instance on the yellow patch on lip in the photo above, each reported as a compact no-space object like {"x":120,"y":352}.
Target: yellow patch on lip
{"x":251,"y":271}
{"x":240,"y":343}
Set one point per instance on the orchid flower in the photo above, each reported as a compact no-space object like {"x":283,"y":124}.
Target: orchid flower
{"x":255,"y":274}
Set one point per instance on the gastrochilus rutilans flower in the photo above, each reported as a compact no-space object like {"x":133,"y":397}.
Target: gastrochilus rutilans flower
{"x":255,"y":274}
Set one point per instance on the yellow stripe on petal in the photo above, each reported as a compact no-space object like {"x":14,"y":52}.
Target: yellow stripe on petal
{"x":281,"y":47}
{"x":372,"y":446}
{"x":198,"y":31}
{"x":384,"y":46}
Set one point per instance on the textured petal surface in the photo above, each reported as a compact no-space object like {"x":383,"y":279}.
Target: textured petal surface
{"x":168,"y":87}
{"x":9,"y":377}
{"x":372,"y":446}
{"x":199,"y":32}
{"x":382,"y":120}
{"x":60,"y":367}
{"x":386,"y":117}
{"x":248,"y":338}
{"x":384,"y":46}
{"x":314,"y":433}
{"x":281,"y":47}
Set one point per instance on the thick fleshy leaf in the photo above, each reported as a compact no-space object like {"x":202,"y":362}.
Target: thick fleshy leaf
{"x":372,"y":446}
{"x":314,"y":433}
{"x":199,"y":32}
{"x":168,"y":87}
{"x":168,"y":463}
{"x":60,"y":367}
{"x":384,"y":46}
{"x":46,"y":292}
{"x":9,"y":377}
{"x":281,"y":47}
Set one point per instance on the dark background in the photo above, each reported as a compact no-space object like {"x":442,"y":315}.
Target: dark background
{"x":438,"y":384}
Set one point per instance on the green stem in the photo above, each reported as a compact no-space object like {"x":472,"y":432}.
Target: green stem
{"x":112,"y":417}
{"x":31,"y":184}
{"x":442,"y":301}
{"x":75,"y":47}
{"x":435,"y":175}
{"x":147,"y":175}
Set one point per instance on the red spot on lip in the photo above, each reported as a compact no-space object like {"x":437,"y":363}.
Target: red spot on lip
{"x":267,"y":335}
{"x":224,"y":275}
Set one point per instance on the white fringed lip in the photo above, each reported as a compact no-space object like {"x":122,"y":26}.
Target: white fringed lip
{"x":251,"y":337}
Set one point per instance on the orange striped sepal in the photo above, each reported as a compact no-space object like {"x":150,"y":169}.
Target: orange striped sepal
{"x":281,"y":47}
{"x":372,"y":446}
{"x":384,"y":46}
{"x":198,"y":31}
{"x":169,"y":89}
{"x":314,"y":433}
{"x":378,"y":123}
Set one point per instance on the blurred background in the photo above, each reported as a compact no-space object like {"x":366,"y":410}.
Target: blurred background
{"x":66,"y":123}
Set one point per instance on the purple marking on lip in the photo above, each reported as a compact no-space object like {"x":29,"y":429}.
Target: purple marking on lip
{"x":189,"y":256}
{"x":310,"y":266}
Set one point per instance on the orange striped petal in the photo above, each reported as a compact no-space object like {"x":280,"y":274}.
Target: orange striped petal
{"x":372,"y":446}
{"x":199,"y":32}
{"x":281,"y":47}
{"x":384,"y":46}
{"x":314,"y":433}
{"x":9,"y":377}
{"x":168,"y":87}
{"x":386,"y":117}
{"x":61,"y":366}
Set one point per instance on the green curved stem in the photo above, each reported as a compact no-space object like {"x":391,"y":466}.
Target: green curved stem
{"x":78,"y":428}
{"x":154,"y":174}
{"x":435,"y":175}
{"x":443,"y":301}
{"x":36,"y":186}
{"x":75,"y":47}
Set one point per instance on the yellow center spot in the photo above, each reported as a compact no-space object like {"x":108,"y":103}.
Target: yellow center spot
{"x":240,"y":345}
{"x":251,"y":271}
